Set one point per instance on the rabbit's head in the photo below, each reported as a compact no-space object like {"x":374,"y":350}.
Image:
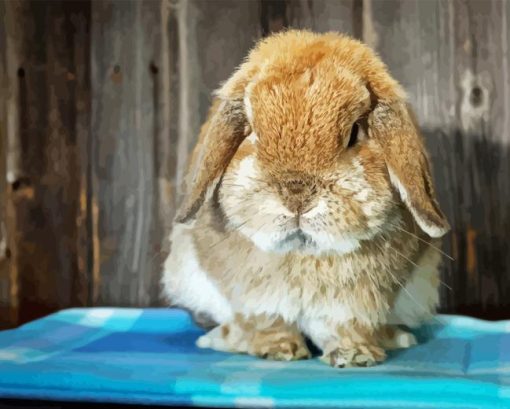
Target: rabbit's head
{"x":310,"y":146}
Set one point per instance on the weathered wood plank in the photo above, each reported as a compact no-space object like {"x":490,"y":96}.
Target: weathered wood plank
{"x":325,"y":15}
{"x":8,"y":299}
{"x":123,"y":37}
{"x":214,"y":37}
{"x":86,"y":202}
{"x":202,"y":45}
{"x":11,"y":158}
{"x":319,"y":15}
{"x":273,"y":16}
{"x":482,"y":154}
{"x":415,"y":39}
{"x":164,"y":73}
{"x":80,"y":19}
{"x":208,"y":45}
{"x":161,"y":71}
{"x":159,"y":78}
{"x":450,"y":57}
{"x":44,"y":164}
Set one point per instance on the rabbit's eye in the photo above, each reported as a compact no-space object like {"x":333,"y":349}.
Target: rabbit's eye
{"x":353,"y":139}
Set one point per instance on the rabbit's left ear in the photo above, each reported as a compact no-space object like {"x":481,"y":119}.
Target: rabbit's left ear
{"x":392,"y":124}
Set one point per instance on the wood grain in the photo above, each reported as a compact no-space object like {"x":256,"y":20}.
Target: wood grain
{"x":455,"y":73}
{"x":97,"y":122}
{"x":425,"y":68}
{"x":43,"y":162}
{"x":482,"y":155}
{"x":317,"y":15}
{"x":214,"y":37}
{"x":142,"y":146}
{"x":124,"y":38}
{"x":325,"y":15}
{"x":8,"y":299}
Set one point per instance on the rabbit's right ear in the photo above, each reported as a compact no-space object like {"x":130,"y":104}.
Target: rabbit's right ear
{"x":219,"y":138}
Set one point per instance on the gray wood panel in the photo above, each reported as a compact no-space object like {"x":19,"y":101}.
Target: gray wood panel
{"x":425,"y":67}
{"x":450,"y":57}
{"x":214,"y":37}
{"x":152,"y":89}
{"x":8,"y":302}
{"x":325,"y":15}
{"x":97,"y":122}
{"x":43,"y":163}
{"x":482,"y":154}
{"x":125,"y":40}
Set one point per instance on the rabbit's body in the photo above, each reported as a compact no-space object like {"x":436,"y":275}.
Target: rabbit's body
{"x":240,"y":277}
{"x":317,"y":293}
{"x":299,"y":226}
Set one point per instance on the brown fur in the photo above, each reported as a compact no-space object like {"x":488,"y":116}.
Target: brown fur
{"x":309,"y":90}
{"x":300,"y":94}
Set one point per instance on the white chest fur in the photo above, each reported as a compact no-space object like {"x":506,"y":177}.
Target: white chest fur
{"x":276,"y":286}
{"x":186,"y":284}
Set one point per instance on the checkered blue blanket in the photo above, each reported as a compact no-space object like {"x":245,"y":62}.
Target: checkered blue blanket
{"x":148,"y":356}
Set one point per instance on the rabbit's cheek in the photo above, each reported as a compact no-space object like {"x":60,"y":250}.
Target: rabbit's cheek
{"x":360,"y":203}
{"x":252,"y":138}
{"x":246,"y":174}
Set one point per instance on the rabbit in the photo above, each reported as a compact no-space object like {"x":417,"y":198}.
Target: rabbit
{"x":309,"y":209}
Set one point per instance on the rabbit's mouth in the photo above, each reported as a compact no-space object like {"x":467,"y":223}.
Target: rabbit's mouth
{"x":297,"y":240}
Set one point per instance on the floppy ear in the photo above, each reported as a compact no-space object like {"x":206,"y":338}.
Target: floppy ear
{"x":392,"y":124}
{"x":219,"y":138}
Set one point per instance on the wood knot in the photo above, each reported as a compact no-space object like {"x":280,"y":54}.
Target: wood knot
{"x":22,"y":188}
{"x":153,"y":68}
{"x":475,"y":103}
{"x":476,"y":96}
{"x":20,"y":183}
{"x":116,"y":76}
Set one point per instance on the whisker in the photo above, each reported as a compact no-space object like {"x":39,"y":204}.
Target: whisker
{"x":256,"y":231}
{"x":418,"y":266}
{"x":426,"y":242}
{"x":227,"y":235}
{"x":426,"y":310}
{"x":219,"y":241}
{"x":446,"y":285}
{"x":224,"y":276}
{"x":238,"y":226}
{"x":405,"y":257}
{"x":158,"y":254}
{"x":232,"y":185}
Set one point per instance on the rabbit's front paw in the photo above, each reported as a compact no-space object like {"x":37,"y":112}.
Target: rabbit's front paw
{"x":280,"y":346}
{"x":265,"y":337}
{"x":395,"y":338}
{"x":358,"y":355}
{"x":226,"y":338}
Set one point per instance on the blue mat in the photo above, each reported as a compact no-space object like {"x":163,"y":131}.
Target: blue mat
{"x":148,"y":356}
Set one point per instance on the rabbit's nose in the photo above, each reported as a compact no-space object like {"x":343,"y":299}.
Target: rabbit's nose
{"x":296,"y":195}
{"x":295,"y":186}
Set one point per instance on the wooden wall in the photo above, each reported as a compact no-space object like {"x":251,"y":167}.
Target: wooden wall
{"x":101,"y":101}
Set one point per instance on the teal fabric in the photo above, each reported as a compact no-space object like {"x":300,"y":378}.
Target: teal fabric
{"x":149,"y":356}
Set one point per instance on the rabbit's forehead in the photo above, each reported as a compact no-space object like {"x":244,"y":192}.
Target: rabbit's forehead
{"x":312,"y":101}
{"x":303,"y":117}
{"x":310,"y":85}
